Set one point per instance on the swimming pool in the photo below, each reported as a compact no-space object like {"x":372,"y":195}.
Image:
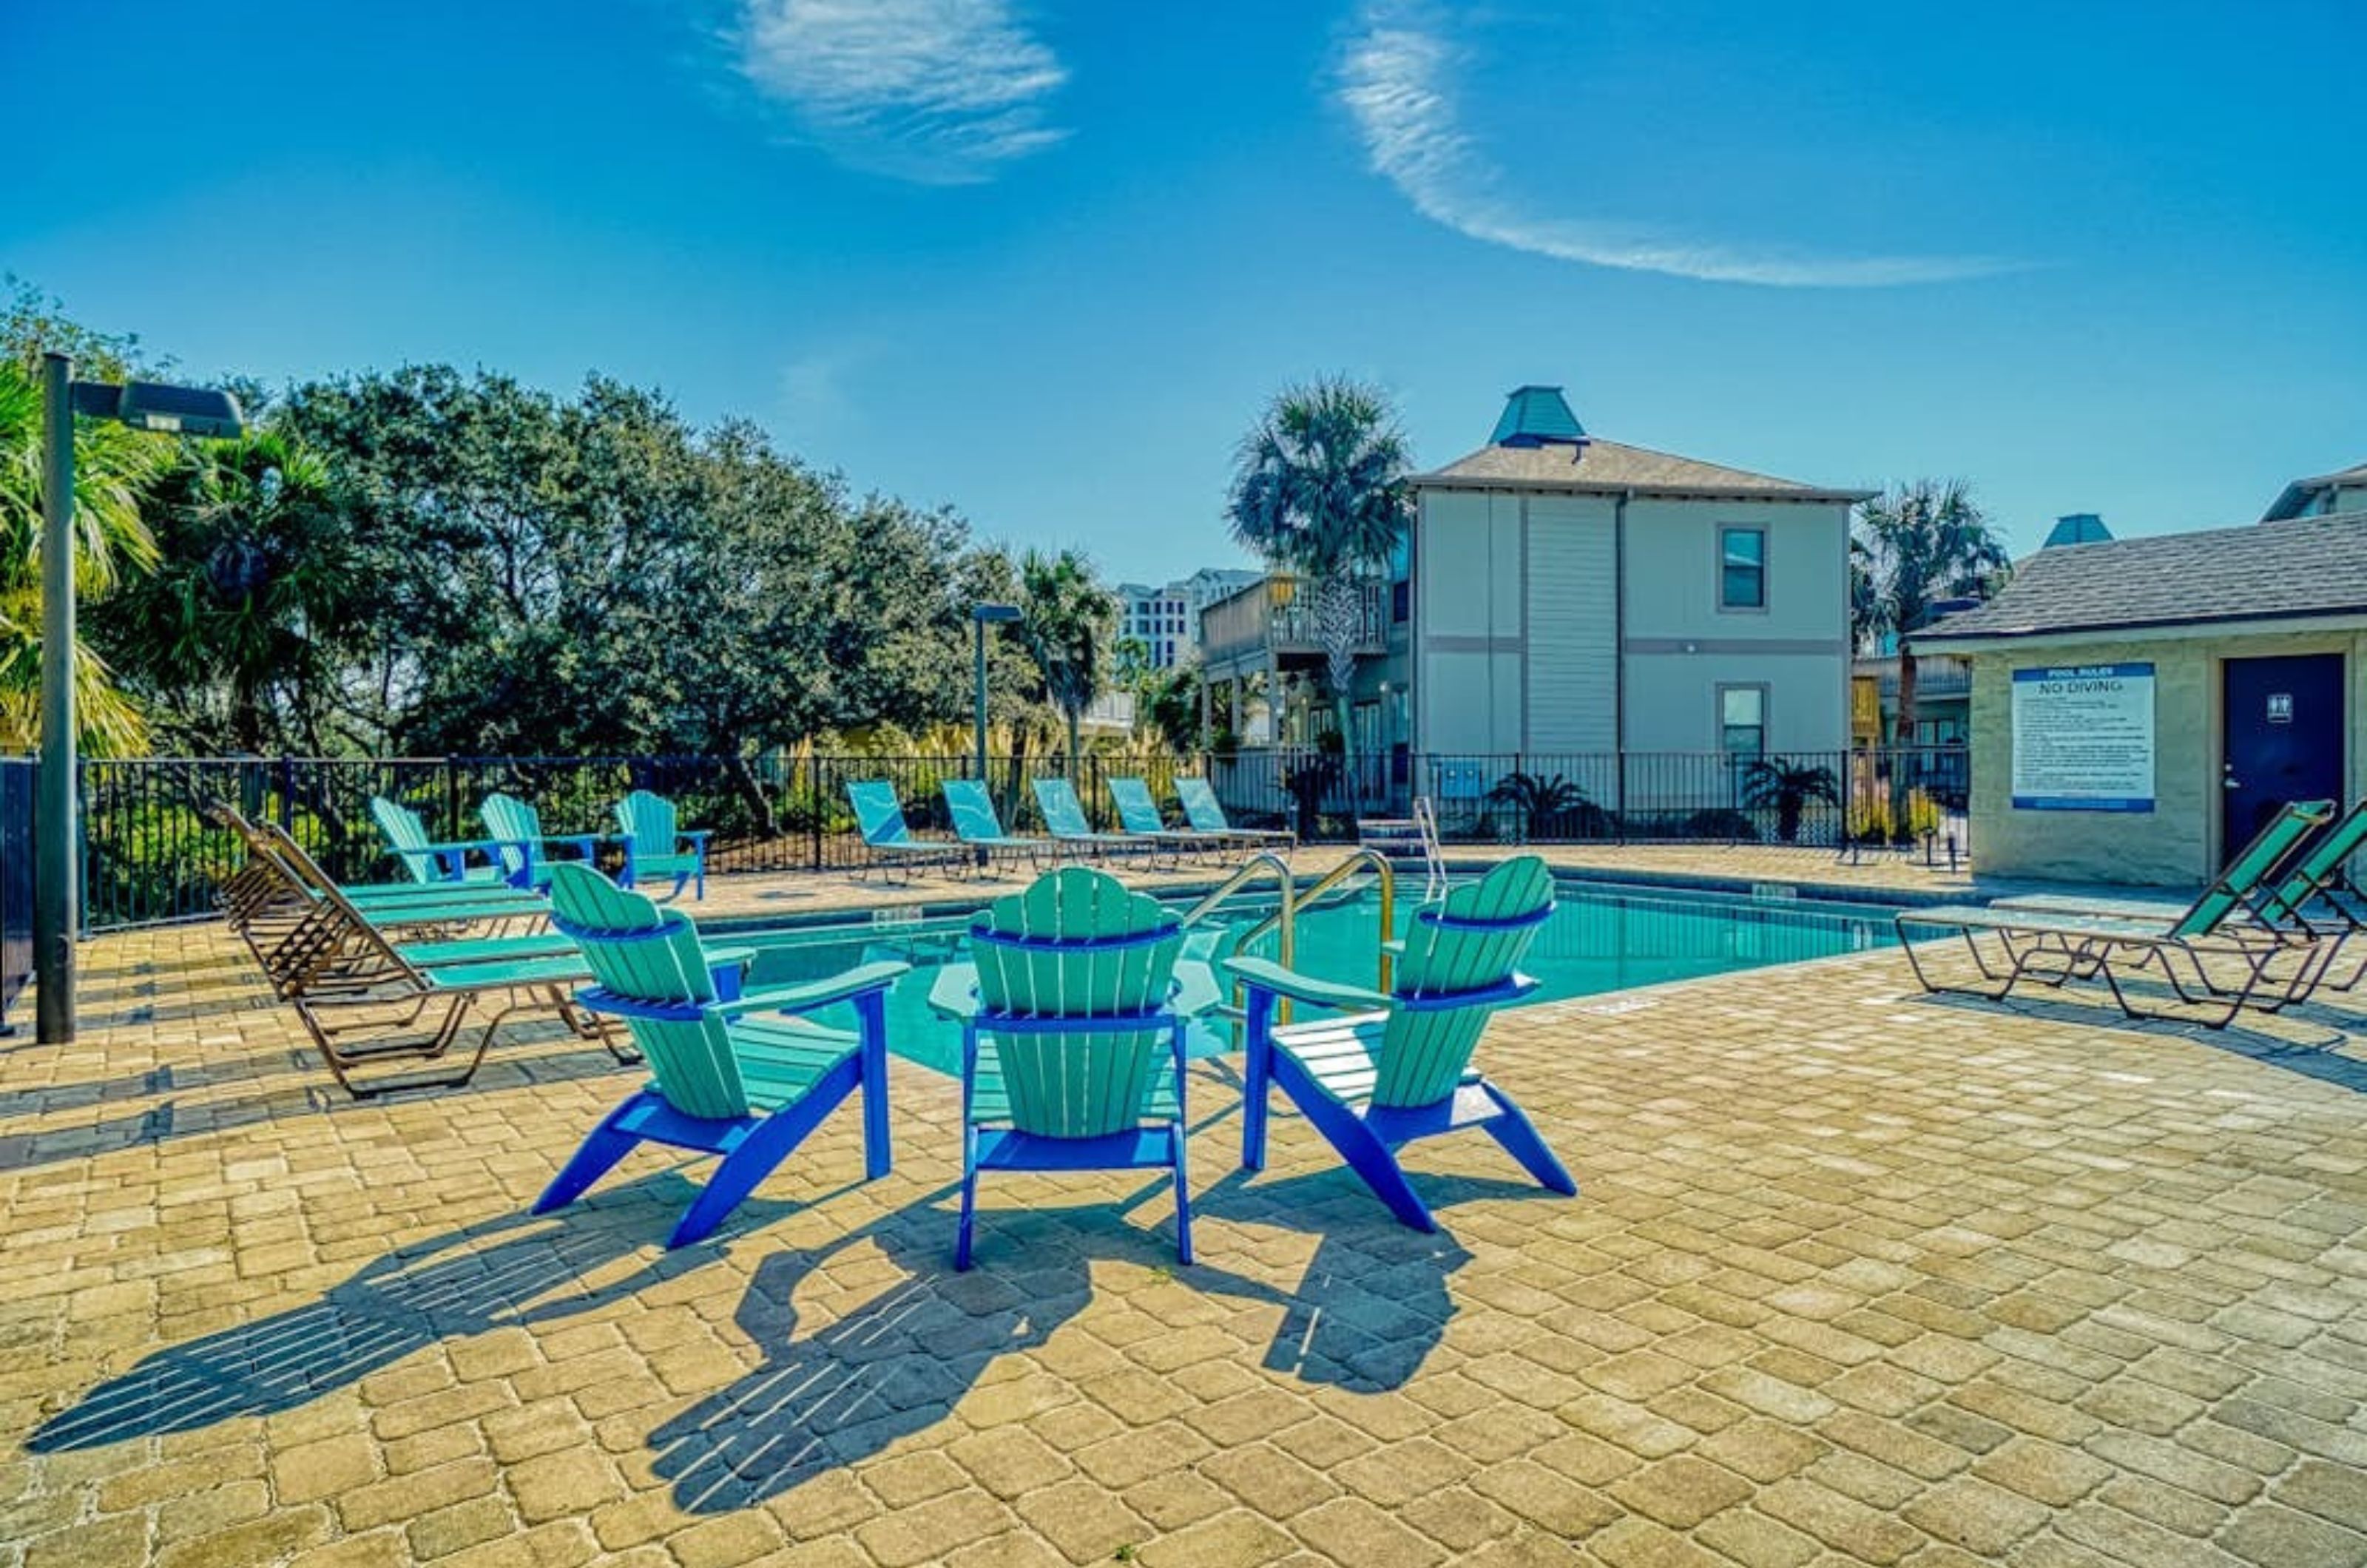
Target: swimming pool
{"x":1601,"y":938}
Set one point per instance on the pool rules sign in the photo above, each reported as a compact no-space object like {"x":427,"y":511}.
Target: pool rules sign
{"x":2083,"y":738}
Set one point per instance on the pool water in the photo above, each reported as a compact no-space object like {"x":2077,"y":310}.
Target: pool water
{"x":1601,"y":938}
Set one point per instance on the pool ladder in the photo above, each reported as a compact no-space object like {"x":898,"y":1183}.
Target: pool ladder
{"x":1290,"y":899}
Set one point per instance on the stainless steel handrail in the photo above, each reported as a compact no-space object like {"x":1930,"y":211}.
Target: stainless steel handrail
{"x":1284,"y":918}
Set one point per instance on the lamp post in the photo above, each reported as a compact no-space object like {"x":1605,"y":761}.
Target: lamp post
{"x":981,"y":617}
{"x":57,"y":827}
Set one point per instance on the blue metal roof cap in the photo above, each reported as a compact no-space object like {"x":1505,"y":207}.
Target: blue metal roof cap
{"x":1534,"y":415}
{"x":2078,"y":528}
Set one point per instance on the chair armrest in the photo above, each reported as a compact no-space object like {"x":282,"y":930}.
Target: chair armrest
{"x":459,"y":846}
{"x":1265,"y":975}
{"x":582,"y":841}
{"x":856,"y":982}
{"x":697,"y":838}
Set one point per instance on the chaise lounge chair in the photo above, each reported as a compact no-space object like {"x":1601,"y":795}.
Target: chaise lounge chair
{"x":1064,"y":819}
{"x":976,"y":824}
{"x":656,"y":847}
{"x":1396,"y":1066}
{"x":1073,"y":1040}
{"x":879,"y":817}
{"x":1206,"y":815}
{"x":745,"y":1077}
{"x":1137,"y":813}
{"x":2207,"y":958}
{"x":520,"y":844}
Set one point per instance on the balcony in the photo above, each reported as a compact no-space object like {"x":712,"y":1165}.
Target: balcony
{"x":1277,"y":616}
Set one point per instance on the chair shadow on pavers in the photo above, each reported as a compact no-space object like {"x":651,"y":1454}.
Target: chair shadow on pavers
{"x":514,"y":1270}
{"x":2319,"y":1056}
{"x":897,"y":1363}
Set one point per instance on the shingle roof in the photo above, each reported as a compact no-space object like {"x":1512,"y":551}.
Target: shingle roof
{"x":1602,"y":467}
{"x":2297,"y":495}
{"x":2315,"y":566}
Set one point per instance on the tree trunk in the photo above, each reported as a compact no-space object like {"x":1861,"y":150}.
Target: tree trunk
{"x":246,"y":713}
{"x":1339,"y":620}
{"x":752,"y":794}
{"x":1075,"y":718}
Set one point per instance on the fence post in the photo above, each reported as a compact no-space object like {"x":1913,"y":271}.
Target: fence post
{"x":814,"y":804}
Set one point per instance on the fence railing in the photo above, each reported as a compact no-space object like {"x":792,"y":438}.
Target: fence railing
{"x":151,"y":853}
{"x":15,"y":880}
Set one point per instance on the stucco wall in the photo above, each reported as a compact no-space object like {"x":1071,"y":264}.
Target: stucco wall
{"x":2177,"y":844}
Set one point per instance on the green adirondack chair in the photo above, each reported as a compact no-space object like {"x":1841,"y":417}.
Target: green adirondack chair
{"x":427,"y":860}
{"x":1073,"y":1053}
{"x":745,"y":1077}
{"x":1396,"y":1066}
{"x":657,"y":847}
{"x":520,"y":843}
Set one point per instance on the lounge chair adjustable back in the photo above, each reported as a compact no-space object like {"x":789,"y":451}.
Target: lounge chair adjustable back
{"x":1200,"y":807}
{"x":878,"y":815}
{"x":1459,"y":966}
{"x":1077,"y":947}
{"x":1064,"y":814}
{"x":1137,"y":811}
{"x":655,"y":970}
{"x":2250,"y":869}
{"x":972,"y":806}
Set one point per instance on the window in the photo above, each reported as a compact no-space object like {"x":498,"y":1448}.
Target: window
{"x":1742,"y":568}
{"x":1742,"y":720}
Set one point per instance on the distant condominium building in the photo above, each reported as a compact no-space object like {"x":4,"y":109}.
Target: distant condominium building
{"x":1166,"y":621}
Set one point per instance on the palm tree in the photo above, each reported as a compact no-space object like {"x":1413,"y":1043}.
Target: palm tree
{"x":113,"y":467}
{"x":1067,"y":621}
{"x":1319,"y":489}
{"x":1916,"y":546}
{"x":1788,"y":786}
{"x":259,"y":580}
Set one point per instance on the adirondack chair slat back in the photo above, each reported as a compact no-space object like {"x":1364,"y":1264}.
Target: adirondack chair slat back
{"x":406,"y":835}
{"x":1064,"y":814}
{"x":2259,"y":858}
{"x":1092,"y":950}
{"x":1200,"y":807}
{"x":1424,"y":1053}
{"x":646,"y":954}
{"x":878,"y":815}
{"x":1137,"y":812}
{"x":513,"y":821}
{"x":649,"y":818}
{"x":973,"y":810}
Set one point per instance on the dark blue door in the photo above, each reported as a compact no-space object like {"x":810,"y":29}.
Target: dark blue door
{"x":2283,"y":739}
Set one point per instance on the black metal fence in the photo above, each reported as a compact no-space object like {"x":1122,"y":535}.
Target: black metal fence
{"x":15,"y":880}
{"x":150,"y":853}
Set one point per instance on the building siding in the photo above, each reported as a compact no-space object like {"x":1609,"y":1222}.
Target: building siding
{"x":1572,"y":616}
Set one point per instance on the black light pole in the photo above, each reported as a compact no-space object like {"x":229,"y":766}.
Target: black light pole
{"x":981,"y":615}
{"x":57,"y":825}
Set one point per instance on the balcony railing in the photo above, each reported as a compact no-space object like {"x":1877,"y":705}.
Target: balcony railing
{"x":1279,"y":614}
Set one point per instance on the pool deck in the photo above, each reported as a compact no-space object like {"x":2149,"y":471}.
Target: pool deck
{"x":1854,"y":1276}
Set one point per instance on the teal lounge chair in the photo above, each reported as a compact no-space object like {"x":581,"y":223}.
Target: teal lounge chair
{"x":1397,"y":1066}
{"x":1064,"y":819}
{"x":975,"y":823}
{"x":2207,"y":958}
{"x":520,"y":843}
{"x":1206,"y":815}
{"x":2312,"y":892}
{"x":880,"y":817}
{"x":426,"y":859}
{"x":656,"y":847}
{"x":745,"y":1077}
{"x":1073,"y":1048}
{"x":1137,"y":813}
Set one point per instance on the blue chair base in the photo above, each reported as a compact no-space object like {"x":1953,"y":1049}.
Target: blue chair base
{"x":1369,"y":1140}
{"x":1138,"y":1149}
{"x":750,"y":1146}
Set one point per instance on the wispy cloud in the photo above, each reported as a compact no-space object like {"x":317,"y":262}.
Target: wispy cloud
{"x":942,"y":91}
{"x":1396,"y":81}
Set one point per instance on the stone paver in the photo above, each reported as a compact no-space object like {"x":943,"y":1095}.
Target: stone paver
{"x":1854,"y":1277}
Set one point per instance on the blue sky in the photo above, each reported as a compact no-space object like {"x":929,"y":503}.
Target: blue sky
{"x":1043,"y":260}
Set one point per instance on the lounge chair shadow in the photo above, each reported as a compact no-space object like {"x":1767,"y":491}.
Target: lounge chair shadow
{"x":901,"y":1361}
{"x":515,"y":1270}
{"x":307,"y":1093}
{"x":2317,"y":1058}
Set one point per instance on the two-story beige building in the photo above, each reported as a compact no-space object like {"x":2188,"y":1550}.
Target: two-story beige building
{"x":1576,"y":595}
